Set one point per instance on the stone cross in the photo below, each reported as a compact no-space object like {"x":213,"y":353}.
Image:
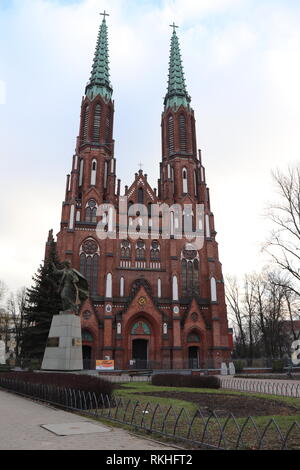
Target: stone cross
{"x":104,"y":14}
{"x":174,"y":26}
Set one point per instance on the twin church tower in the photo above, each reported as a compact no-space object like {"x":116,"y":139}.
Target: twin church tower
{"x":154,"y":303}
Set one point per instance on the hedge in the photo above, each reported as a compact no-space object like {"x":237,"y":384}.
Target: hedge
{"x":84,"y":383}
{"x":180,"y":380}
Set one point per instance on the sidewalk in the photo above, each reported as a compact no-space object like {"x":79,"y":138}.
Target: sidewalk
{"x":20,"y":429}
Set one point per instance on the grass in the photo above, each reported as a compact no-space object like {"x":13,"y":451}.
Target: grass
{"x":130,"y":390}
{"x":178,"y":421}
{"x":222,"y":431}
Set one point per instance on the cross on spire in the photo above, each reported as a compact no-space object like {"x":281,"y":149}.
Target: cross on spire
{"x":174,"y":26}
{"x":104,"y":14}
{"x":177,"y":94}
{"x":141,"y":166}
{"x":100,"y":78}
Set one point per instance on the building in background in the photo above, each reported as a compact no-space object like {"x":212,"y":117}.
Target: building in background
{"x":154,"y":302}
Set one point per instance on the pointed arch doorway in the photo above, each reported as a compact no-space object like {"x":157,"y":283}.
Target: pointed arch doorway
{"x":140,"y":352}
{"x":140,"y":344}
{"x":194,"y":357}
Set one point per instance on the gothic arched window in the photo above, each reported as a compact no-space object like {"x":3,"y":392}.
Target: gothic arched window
{"x":207,"y":225}
{"x":213,"y":288}
{"x":107,"y":127}
{"x":105,"y":174}
{"x":93,"y":172}
{"x":155,"y":251}
{"x":190,"y":272}
{"x":140,"y":328}
{"x":193,"y":337}
{"x":91,"y":211}
{"x":108,"y":289}
{"x":159,"y":290}
{"x":182,"y":133}
{"x":87,"y":336}
{"x":81,"y":167}
{"x":86,"y":124}
{"x":195,"y":184}
{"x":89,"y":263}
{"x":171,"y":135}
{"x":125,"y":250}
{"x":122,"y":287}
{"x":140,"y":196}
{"x":184,"y":181}
{"x":140,"y":252}
{"x":175,"y":296}
{"x":97,"y":122}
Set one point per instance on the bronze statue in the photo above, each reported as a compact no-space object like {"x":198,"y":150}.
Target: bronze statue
{"x":73,"y":288}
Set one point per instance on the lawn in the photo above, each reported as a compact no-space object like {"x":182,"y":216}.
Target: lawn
{"x":175,"y":412}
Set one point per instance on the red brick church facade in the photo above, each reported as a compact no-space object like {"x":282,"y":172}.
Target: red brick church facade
{"x":153,"y":302}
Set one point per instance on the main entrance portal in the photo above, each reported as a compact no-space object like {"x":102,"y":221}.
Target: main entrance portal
{"x":87,"y":357}
{"x":140,"y":353}
{"x":193,"y":357}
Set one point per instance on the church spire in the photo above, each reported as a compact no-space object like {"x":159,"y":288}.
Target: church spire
{"x":177,"y":94}
{"x":99,"y":83}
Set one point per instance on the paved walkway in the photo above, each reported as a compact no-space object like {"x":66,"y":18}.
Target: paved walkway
{"x":20,"y":429}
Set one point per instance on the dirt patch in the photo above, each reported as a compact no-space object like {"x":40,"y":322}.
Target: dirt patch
{"x":239,"y":406}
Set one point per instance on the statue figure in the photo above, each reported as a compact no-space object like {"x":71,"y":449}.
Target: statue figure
{"x":73,"y":288}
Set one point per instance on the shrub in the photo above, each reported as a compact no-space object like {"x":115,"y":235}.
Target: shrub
{"x":4,"y":368}
{"x":278,"y":366}
{"x":239,"y":366}
{"x":84,"y":383}
{"x":180,"y":380}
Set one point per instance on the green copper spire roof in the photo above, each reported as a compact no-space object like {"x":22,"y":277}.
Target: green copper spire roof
{"x":177,"y":94}
{"x":100,"y":79}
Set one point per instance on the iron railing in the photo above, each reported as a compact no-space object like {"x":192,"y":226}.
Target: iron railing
{"x":268,"y":387}
{"x":199,"y":428}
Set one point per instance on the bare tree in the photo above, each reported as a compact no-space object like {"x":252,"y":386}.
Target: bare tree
{"x":16,"y":305}
{"x":262,"y":309}
{"x":3,"y":290}
{"x":233,"y":297}
{"x":284,"y":242}
{"x":250,"y":307}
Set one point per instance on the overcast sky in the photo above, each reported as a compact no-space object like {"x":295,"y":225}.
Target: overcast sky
{"x":242,"y":68}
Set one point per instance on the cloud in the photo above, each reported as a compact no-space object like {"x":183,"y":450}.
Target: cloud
{"x":232,"y":43}
{"x":195,"y":9}
{"x":241,"y":66}
{"x":2,"y":92}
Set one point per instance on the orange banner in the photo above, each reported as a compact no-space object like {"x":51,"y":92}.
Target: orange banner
{"x":105,"y":365}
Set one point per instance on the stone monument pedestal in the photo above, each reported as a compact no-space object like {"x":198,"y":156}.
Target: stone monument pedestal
{"x":64,"y":346}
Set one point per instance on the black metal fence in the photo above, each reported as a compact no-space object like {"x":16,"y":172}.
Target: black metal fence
{"x":201,"y":428}
{"x":268,"y":387}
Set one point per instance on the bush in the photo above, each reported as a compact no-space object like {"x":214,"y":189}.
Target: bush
{"x":4,"y":368}
{"x":239,"y":366}
{"x":180,"y":380}
{"x":84,"y":383}
{"x":278,"y":366}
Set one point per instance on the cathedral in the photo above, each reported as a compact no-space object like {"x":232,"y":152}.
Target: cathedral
{"x":155,"y":301}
